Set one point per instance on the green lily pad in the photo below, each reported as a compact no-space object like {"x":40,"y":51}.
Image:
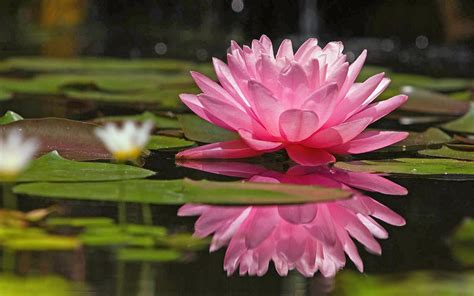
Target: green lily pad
{"x":411,"y":166}
{"x":447,"y":152}
{"x":464,"y":124}
{"x":415,"y":141}
{"x":9,"y":117}
{"x":424,"y":101}
{"x":435,"y":84}
{"x":420,"y":283}
{"x":164,"y":142}
{"x":160,"y":122}
{"x":12,"y":285}
{"x":176,"y":192}
{"x":184,"y":242}
{"x":46,"y":242}
{"x":53,"y":168}
{"x":199,"y":130}
{"x":72,"y":139}
{"x":91,"y":64}
{"x":80,"y":222}
{"x":148,"y":255}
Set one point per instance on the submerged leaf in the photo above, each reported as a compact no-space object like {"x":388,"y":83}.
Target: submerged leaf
{"x":178,"y":192}
{"x":464,"y":124}
{"x":199,"y":130}
{"x":72,"y":139}
{"x":447,"y":152}
{"x":412,"y":166}
{"x":53,"y":168}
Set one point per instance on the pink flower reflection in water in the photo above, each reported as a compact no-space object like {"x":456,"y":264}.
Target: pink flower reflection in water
{"x":308,"y":237}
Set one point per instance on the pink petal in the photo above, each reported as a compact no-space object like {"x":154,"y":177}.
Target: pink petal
{"x":269,"y":72}
{"x":285,"y":51}
{"x":382,"y":212}
{"x":306,"y":48}
{"x":297,"y":125}
{"x":263,"y":221}
{"x":339,"y":75}
{"x":338,"y":134}
{"x":298,"y":214}
{"x":294,"y":77}
{"x":213,"y":89}
{"x":192,"y":210}
{"x":354,"y":70}
{"x":309,"y":156}
{"x":333,"y":50}
{"x":193,"y":103}
{"x":227,"y":113}
{"x":257,"y":144}
{"x":369,"y":141}
{"x":231,"y":149}
{"x":266,"y":44}
{"x":370,"y":182}
{"x":267,"y":107}
{"x":228,"y":82}
{"x":378,"y":110}
{"x":322,"y":102}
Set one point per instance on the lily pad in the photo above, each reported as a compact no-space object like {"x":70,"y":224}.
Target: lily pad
{"x":447,"y":152}
{"x":148,"y":255}
{"x":424,"y":101}
{"x":464,"y":124}
{"x":415,"y":141}
{"x":199,"y":130}
{"x":53,"y":168}
{"x":161,"y":122}
{"x":425,"y":82}
{"x":177,"y":192}
{"x":45,"y":242}
{"x":80,"y":222}
{"x":411,"y":166}
{"x":72,"y":139}
{"x":164,"y":142}
{"x":11,"y":285}
{"x":9,"y":117}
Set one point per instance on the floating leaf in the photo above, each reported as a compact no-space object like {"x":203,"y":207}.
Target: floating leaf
{"x":161,"y":122}
{"x":464,"y":124}
{"x":183,"y":191}
{"x":420,"y":283}
{"x":164,"y":142}
{"x":11,"y":285}
{"x":53,"y":168}
{"x":148,"y":255}
{"x":46,"y":242}
{"x":412,"y":166}
{"x":415,"y":141}
{"x":448,"y":153}
{"x":425,"y":82}
{"x":424,"y":101}
{"x":92,"y":64}
{"x":72,"y":139}
{"x":80,"y":222}
{"x":197,"y":129}
{"x":9,"y":117}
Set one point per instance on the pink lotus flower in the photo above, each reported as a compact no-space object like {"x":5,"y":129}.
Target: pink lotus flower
{"x":305,"y":102}
{"x":308,"y":237}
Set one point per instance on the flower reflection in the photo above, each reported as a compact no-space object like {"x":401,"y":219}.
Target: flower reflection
{"x":309,"y":237}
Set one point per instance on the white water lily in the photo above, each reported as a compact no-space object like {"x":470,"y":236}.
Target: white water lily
{"x":15,"y":154}
{"x":126,"y":143}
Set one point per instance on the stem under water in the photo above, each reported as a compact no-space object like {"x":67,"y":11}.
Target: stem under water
{"x":9,"y":198}
{"x":147,"y":216}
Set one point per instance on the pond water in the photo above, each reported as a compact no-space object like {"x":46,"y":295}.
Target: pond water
{"x":90,"y":228}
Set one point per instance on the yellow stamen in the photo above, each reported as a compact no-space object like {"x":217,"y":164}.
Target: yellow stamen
{"x":127,"y":155}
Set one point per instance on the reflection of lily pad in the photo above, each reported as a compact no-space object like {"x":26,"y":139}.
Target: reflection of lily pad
{"x":199,"y":130}
{"x":464,"y":124}
{"x":54,"y":168}
{"x":184,"y":191}
{"x":463,"y":242}
{"x":412,"y":166}
{"x":446,"y":152}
